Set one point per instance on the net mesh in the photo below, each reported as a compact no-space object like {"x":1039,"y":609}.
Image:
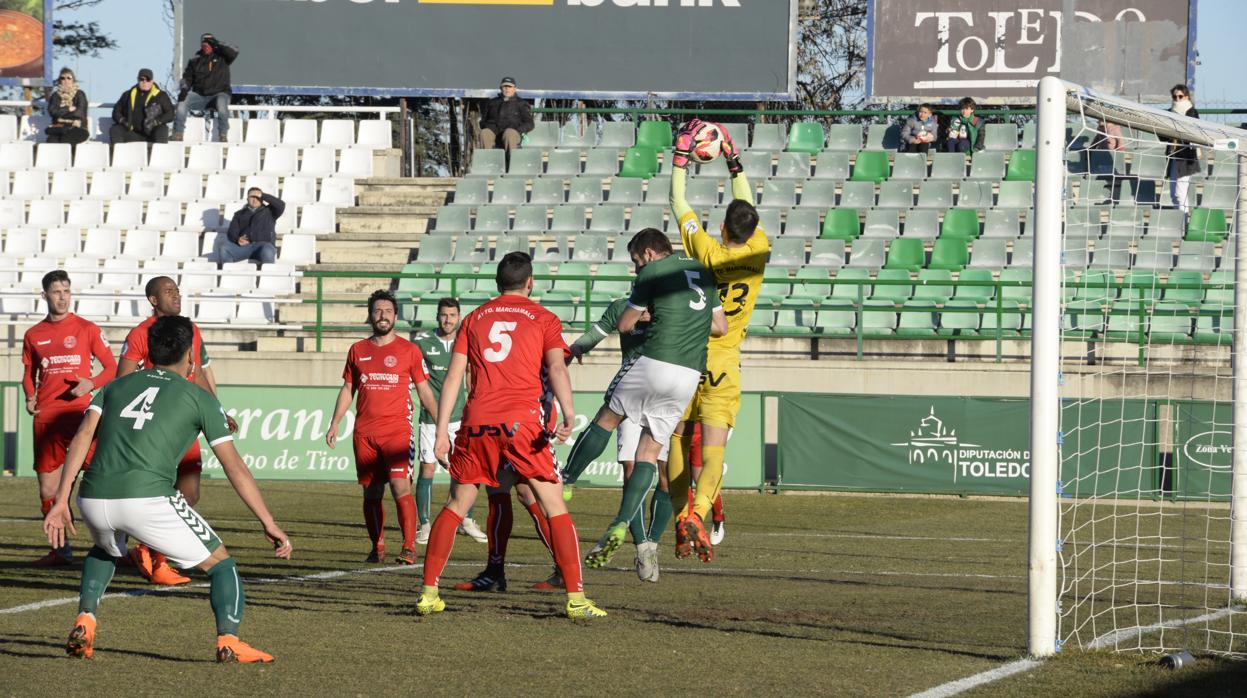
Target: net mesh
{"x":1146,"y":353}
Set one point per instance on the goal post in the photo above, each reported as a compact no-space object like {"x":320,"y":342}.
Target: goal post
{"x":1136,"y":541}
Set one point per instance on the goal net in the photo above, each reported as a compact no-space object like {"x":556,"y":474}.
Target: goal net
{"x":1138,"y":501}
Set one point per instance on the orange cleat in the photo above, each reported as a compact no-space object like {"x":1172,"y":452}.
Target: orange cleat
{"x":53,"y":559}
{"x":696,"y":536}
{"x":231,"y":649}
{"x":141,"y":557}
{"x":683,"y":547}
{"x":165,"y":576}
{"x":407,"y":557}
{"x":81,"y":642}
{"x":552,"y":583}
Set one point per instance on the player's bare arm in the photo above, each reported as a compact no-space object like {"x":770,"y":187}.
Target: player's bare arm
{"x":244,"y":484}
{"x":427,"y":399}
{"x":718,"y":322}
{"x":630,"y":317}
{"x":126,"y":366}
{"x":59,"y":518}
{"x":561,"y":386}
{"x":343,"y":403}
{"x":450,"y":389}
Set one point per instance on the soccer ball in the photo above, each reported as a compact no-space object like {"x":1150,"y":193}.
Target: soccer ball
{"x":707,"y":143}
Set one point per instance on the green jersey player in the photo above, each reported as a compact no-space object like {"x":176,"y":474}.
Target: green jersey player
{"x":143,"y":424}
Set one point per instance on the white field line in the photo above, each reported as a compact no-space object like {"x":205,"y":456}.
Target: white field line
{"x":1111,"y":639}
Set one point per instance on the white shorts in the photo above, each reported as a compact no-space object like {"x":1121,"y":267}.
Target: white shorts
{"x":428,"y":437}
{"x":653,"y":394}
{"x":627,"y":436}
{"x":166,"y":524}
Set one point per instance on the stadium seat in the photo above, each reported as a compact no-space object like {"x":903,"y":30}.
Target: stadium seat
{"x":757,"y":164}
{"x":639,"y":162}
{"x":866,"y":253}
{"x":881,"y":223}
{"x":832,"y":165}
{"x":124,"y":214}
{"x":91,"y":156}
{"x":990,"y":253}
{"x":975,"y":194}
{"x":870,"y":166}
{"x":162,"y":215}
{"x":988,"y":165}
{"x":960,"y":223}
{"x":816,"y":193}
{"x":376,"y":134}
{"x":202,"y":157}
{"x":20,"y":155}
{"x":525,"y":163}
{"x":485,"y":163}
{"x":1206,"y":225}
{"x":841,"y":224}
{"x":923,"y":224}
{"x":61,"y":243}
{"x":1125,"y":323}
{"x":617,"y":134}
{"x":547,"y":190}
{"x":826,"y":254}
{"x":896,"y":194}
{"x":787,"y":252}
{"x":934,"y":285}
{"x":935,"y":194}
{"x":225,"y":188}
{"x":658,"y":190}
{"x":471,"y":249}
{"x":808,"y":137}
{"x":568,"y":218}
{"x":101,"y":243}
{"x":355,"y":162}
{"x":45,"y":213}
{"x":918,"y":319}
{"x":912,"y":166}
{"x":603,"y":162}
{"x":1016,"y":195}
{"x":1002,"y":223}
{"x":779,"y":193}
{"x":336,"y":133}
{"x":897,"y":292}
{"x":507,"y":190}
{"x":1148,"y":165}
{"x":948,"y":166}
{"x":297,"y":249}
{"x":845,"y":137}
{"x":626,"y":191}
{"x":1220,"y":296}
{"x":472,"y":191}
{"x":316,"y":162}
{"x":141,"y":244}
{"x":647,"y":217}
{"x":241,"y":159}
{"x":655,"y":135}
{"x":1021,"y":166}
{"x":185,"y":186}
{"x":761,"y":322}
{"x":1000,"y":137}
{"x":492,"y":219}
{"x":960,"y":318}
{"x":879,"y":317}
{"x":297,"y":190}
{"x":1021,"y":292}
{"x":68,"y":185}
{"x":53,"y":156}
{"x":29,"y":185}
{"x":949,"y":253}
{"x":263,"y":132}
{"x":768,"y":137}
{"x":8,"y":128}
{"x":975,"y":293}
{"x":531,"y":218}
{"x":857,"y":195}
{"x":1194,"y":255}
{"x":791,"y":165}
{"x":300,"y":132}
{"x":883,"y":137}
{"x":906,"y":254}
{"x":607,"y":219}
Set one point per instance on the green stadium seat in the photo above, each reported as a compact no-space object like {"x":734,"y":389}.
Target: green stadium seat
{"x":807,"y":137}
{"x":847,"y":137}
{"x":879,"y":318}
{"x":1021,"y":166}
{"x":1185,"y":296}
{"x":841,"y":224}
{"x":545,"y":134}
{"x":948,"y":166}
{"x":761,"y":322}
{"x":837,"y":321}
{"x":586,"y":189}
{"x":477,"y":291}
{"x":988,"y":165}
{"x":805,"y":292}
{"x":658,"y":190}
{"x":868,"y":254}
{"x":921,"y":223}
{"x":472,"y":191}
{"x":935,"y":194}
{"x":795,"y":322}
{"x":1170,"y":324}
{"x":416,"y":288}
{"x":972,"y":194}
{"x":882,"y":223}
{"x":563,"y":162}
{"x":857,"y":195}
{"x":647,"y":217}
{"x":803,"y":222}
{"x":568,"y":218}
{"x":510,"y":191}
{"x":617,"y":134}
{"x":850,"y":292}
{"x":990,"y":253}
{"x":768,"y":137}
{"x":907,"y":254}
{"x":1002,"y":223}
{"x":1141,"y":284}
{"x":567,"y":285}
{"x":826,"y":254}
{"x":757,"y":164}
{"x":487,"y":163}
{"x":775,"y":290}
{"x":910,"y":166}
{"x":792,"y":166}
{"x":607,"y":218}
{"x":787,"y":252}
{"x":960,"y":223}
{"x":1016,"y":195}
{"x":935,"y":285}
{"x":1010,"y":320}
{"x":655,"y":135}
{"x":492,"y":219}
{"x":1154,"y":254}
{"x":895,"y":293}
{"x":917,"y":320}
{"x":447,"y":282}
{"x":1124,"y":323}
{"x":960,"y":318}
{"x":1000,"y":137}
{"x":779,"y":192}
{"x":603,"y":162}
{"x":883,"y":137}
{"x":977,"y":294}
{"x":626,"y":190}
{"x":525,"y":163}
{"x":818,"y":193}
{"x":1220,"y":296}
{"x":896,"y":194}
{"x":1016,"y":294}
{"x":639,"y":162}
{"x":1215,"y":325}
{"x":870,"y":166}
{"x":949,"y":253}
{"x":541,"y":286}
{"x":1091,"y":287}
{"x":1207,"y":225}
{"x":531,"y":218}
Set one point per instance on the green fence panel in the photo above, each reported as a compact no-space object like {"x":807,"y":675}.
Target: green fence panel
{"x":1203,"y":450}
{"x":1109,"y":448}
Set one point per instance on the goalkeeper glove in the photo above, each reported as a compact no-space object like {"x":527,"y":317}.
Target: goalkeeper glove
{"x":730,"y":152}
{"x":684,"y":143}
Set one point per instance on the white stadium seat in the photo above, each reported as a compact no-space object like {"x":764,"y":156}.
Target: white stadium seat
{"x":54,"y":156}
{"x":266,"y":183}
{"x":253,"y":312}
{"x":298,"y":190}
{"x":68,"y":184}
{"x":209,"y":241}
{"x":355,"y":162}
{"x":18,"y":305}
{"x":29,"y":184}
{"x":339,"y":191}
{"x":180,"y":245}
{"x":375,"y":134}
{"x":102,"y":243}
{"x":129,"y":156}
{"x":128,"y":312}
{"x":317,"y":218}
{"x":145,"y":186}
{"x":163,"y":214}
{"x":118,"y":275}
{"x":159,"y":267}
{"x":12,"y":213}
{"x":33,"y":269}
{"x":263,"y":132}
{"x":277,"y":279}
{"x":17,"y":155}
{"x":21,"y":242}
{"x":84,"y":272}
{"x":318,"y":162}
{"x":242,"y":159}
{"x":238,"y":277}
{"x":280,"y":160}
{"x":141,"y":244}
{"x":107,"y":185}
{"x":85,"y":213}
{"x":202,"y":215}
{"x":95,"y":308}
{"x":124,"y":214}
{"x":198,"y":275}
{"x":298,"y":249}
{"x":298,"y":132}
{"x":91,"y":156}
{"x":185,"y":186}
{"x":205,"y":157}
{"x":8,"y":128}
{"x":222,"y":187}
{"x":339,"y":133}
{"x":61,"y":243}
{"x":166,"y":157}
{"x":214,"y":310}
{"x":45,"y":213}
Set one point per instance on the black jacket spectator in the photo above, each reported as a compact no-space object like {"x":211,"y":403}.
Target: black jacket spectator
{"x":501,"y":114}
{"x":68,"y":109}
{"x":144,"y":114}
{"x":208,"y":74}
{"x":259,"y":224}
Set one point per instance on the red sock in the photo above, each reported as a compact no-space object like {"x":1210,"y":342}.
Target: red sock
{"x":718,"y":509}
{"x":45,"y":505}
{"x":374,"y":519}
{"x":566,"y":547}
{"x":441,"y":540}
{"x":501,"y":518}
{"x":542,"y":524}
{"x":407,"y":520}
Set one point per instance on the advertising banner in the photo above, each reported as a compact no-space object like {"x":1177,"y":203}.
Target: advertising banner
{"x":25,"y":42}
{"x":711,"y":49}
{"x":1203,"y":450}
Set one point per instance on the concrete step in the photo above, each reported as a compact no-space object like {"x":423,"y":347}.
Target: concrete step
{"x":386,"y":219}
{"x":364,"y":252}
{"x":330,"y":344}
{"x":338,"y":314}
{"x":399,"y":196}
{"x":347,"y":288}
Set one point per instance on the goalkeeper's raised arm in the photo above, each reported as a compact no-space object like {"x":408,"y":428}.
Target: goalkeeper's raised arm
{"x":697,"y":242}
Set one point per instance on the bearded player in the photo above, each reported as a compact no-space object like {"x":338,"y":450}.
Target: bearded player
{"x":57,"y":381}
{"x":383,"y":370}
{"x":166,"y":301}
{"x":737,"y":261}
{"x":506,"y":343}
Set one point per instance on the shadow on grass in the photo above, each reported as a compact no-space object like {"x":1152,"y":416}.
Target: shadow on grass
{"x":52,"y":649}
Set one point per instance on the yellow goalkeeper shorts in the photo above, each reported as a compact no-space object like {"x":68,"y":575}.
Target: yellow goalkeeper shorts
{"x":717,"y":399}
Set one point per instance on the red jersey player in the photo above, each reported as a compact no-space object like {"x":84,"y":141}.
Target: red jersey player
{"x":57,"y":381}
{"x":383,"y":369}
{"x":162,"y":292}
{"x":505,"y":343}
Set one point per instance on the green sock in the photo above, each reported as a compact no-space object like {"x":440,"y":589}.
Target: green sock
{"x":228,"y":599}
{"x":636,"y":526}
{"x":659,"y":514}
{"x":589,"y":446}
{"x":97,"y":572}
{"x":644,"y":475}
{"x":424,"y":498}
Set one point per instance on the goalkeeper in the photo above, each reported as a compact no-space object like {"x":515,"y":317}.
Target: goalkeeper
{"x":737,"y":262}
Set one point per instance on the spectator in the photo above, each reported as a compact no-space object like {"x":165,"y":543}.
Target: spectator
{"x":1183,"y":157}
{"x":919,"y":131}
{"x":507,"y":116}
{"x":252,"y":232}
{"x":205,"y":83}
{"x":1113,"y":138}
{"x":67,"y":105}
{"x":142,"y":113}
{"x":965,"y":131}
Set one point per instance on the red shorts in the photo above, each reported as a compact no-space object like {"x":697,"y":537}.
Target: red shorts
{"x":192,"y":463}
{"x":52,"y":437}
{"x":383,"y":457}
{"x":480,"y":449}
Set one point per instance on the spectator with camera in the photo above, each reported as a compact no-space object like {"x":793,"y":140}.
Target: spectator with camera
{"x":206,"y":83}
{"x":252,"y":232}
{"x":67,"y":105}
{"x":142,"y":113}
{"x":506,"y":118}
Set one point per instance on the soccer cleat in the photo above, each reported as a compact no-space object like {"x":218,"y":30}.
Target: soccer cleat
{"x":717,"y":531}
{"x":164,"y":575}
{"x":377,"y":554}
{"x":568,"y":491}
{"x":231,"y":649}
{"x":469,"y":528}
{"x":428,"y":605}
{"x":422,"y":533}
{"x":54,"y":558}
{"x":408,"y":557}
{"x":81,"y":642}
{"x":584,"y":611}
{"x":647,"y":561}
{"x":141,"y":556}
{"x":485,"y":581}
{"x":601,"y":554}
{"x":552,"y":583}
{"x":697,"y":537}
{"x":683,"y":548}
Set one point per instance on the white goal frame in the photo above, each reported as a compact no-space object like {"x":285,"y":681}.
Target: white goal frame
{"x":1055,"y":98}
